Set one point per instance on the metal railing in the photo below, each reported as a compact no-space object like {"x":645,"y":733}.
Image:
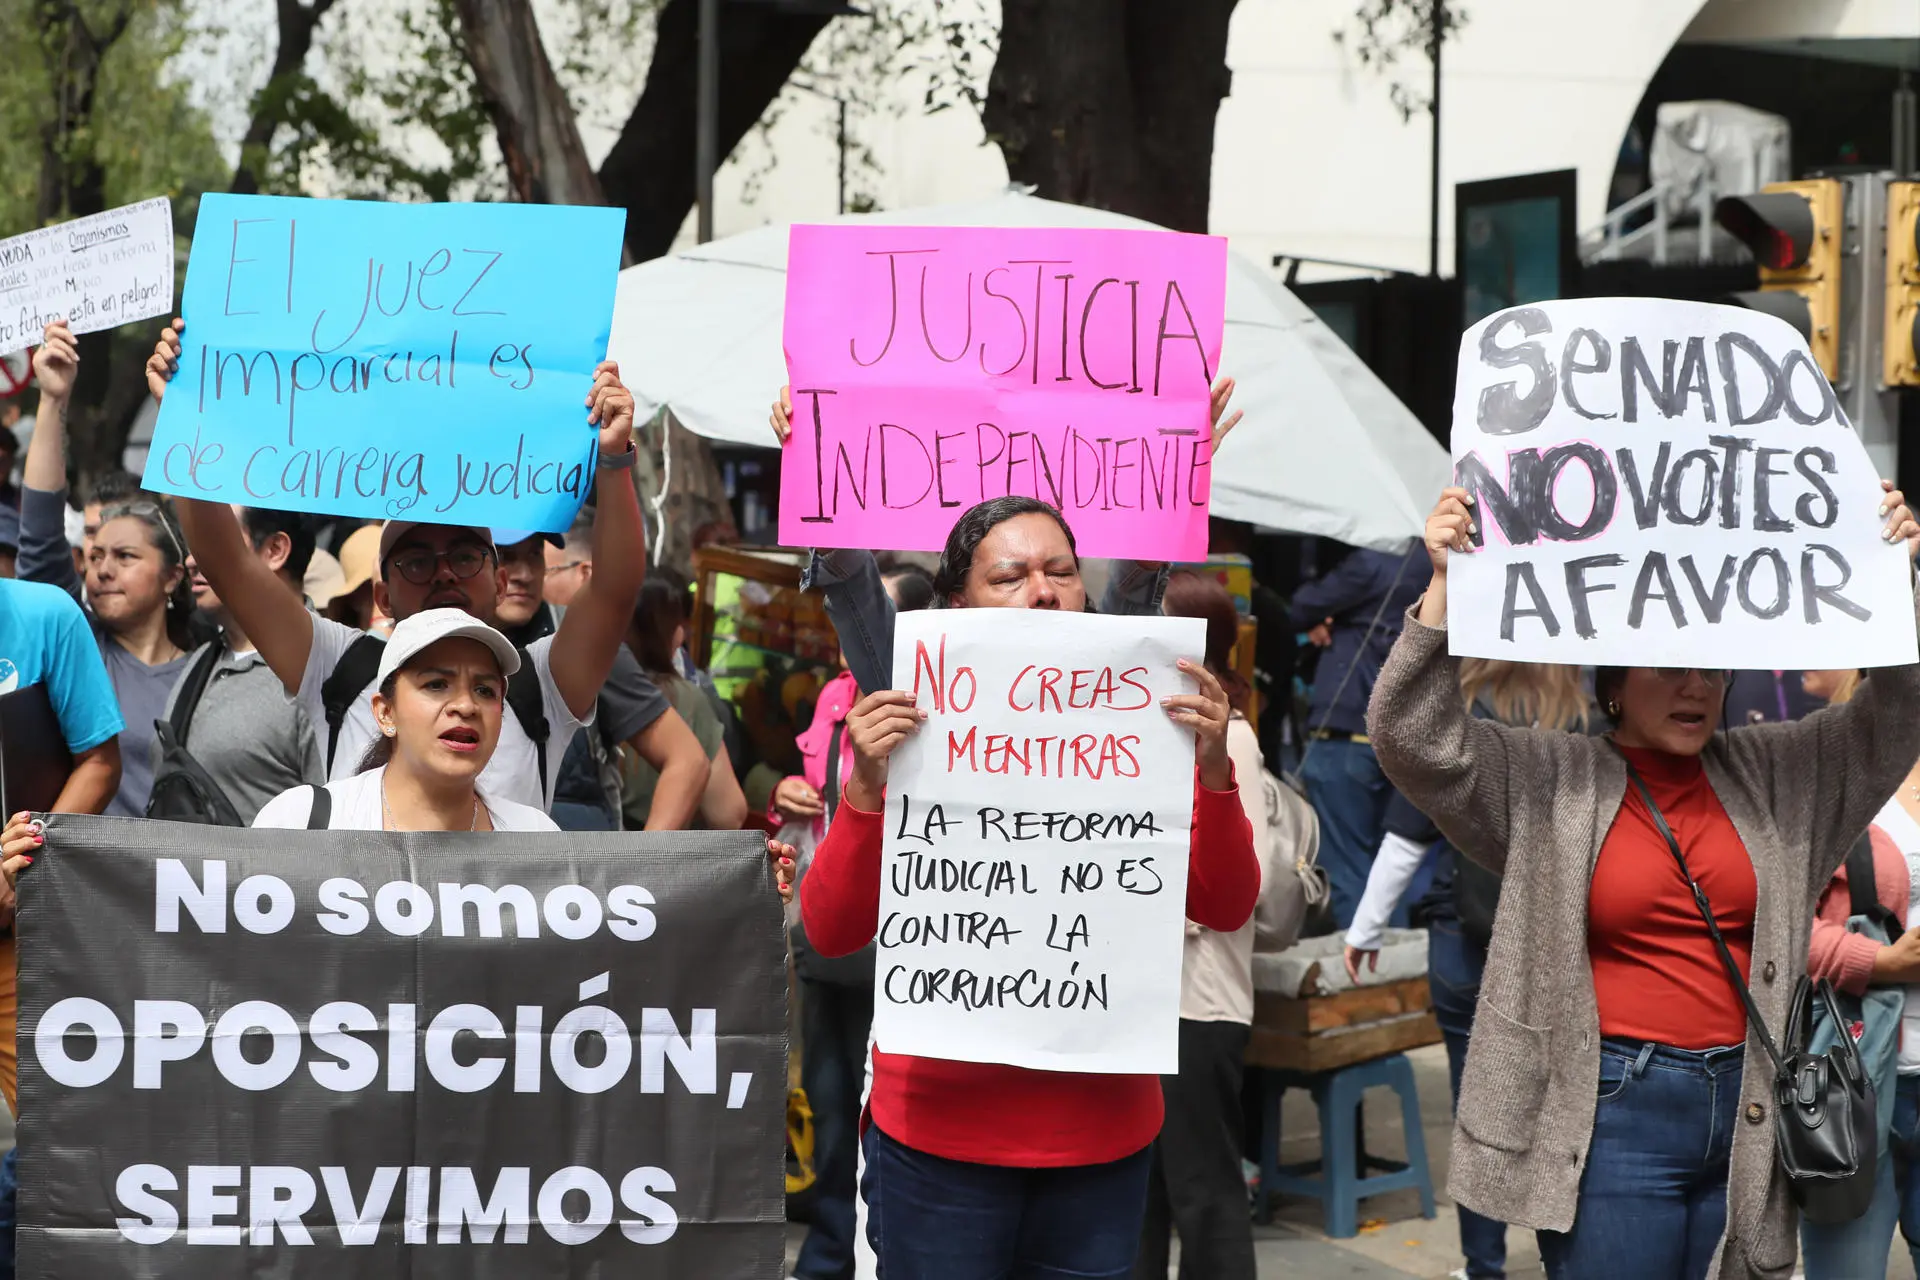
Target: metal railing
{"x":1612,"y":240}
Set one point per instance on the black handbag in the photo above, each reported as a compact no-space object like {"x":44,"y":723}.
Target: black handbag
{"x":1824,"y":1128}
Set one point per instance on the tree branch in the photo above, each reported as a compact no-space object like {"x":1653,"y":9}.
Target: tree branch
{"x":650,"y":170}
{"x":296,"y":23}
{"x":539,"y":137}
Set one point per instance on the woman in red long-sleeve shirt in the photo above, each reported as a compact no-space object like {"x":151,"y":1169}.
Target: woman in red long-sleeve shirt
{"x":976,"y":1172}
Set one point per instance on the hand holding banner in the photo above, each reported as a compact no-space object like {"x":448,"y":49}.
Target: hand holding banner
{"x":399,"y":1057}
{"x":382,"y":360}
{"x":1038,"y":829}
{"x":1664,"y":483}
{"x":936,"y":367}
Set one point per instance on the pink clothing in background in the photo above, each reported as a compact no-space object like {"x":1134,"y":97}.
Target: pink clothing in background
{"x":830,"y":709}
{"x":1847,"y":958}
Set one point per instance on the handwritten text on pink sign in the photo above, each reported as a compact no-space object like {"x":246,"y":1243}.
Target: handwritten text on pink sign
{"x":937,"y":367}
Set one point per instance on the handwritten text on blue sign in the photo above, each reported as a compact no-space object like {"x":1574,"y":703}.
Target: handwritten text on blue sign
{"x":376,"y":360}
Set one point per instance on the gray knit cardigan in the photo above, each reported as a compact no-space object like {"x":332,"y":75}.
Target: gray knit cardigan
{"x":1536,"y":805}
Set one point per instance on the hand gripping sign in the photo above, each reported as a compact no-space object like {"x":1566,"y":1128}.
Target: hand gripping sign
{"x":1663,"y":483}
{"x":403,"y":1057}
{"x":936,"y":367}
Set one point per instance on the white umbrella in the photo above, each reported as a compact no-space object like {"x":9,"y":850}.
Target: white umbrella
{"x":1325,"y":448}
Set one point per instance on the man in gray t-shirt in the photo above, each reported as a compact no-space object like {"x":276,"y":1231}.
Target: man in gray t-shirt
{"x":250,"y":738}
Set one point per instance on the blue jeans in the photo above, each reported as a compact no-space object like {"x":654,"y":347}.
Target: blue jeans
{"x":1349,"y":796}
{"x":835,"y":1019}
{"x":935,"y":1219}
{"x":1653,"y":1200}
{"x":1860,"y":1247}
{"x":1454,"y":965}
{"x":9,"y":1211}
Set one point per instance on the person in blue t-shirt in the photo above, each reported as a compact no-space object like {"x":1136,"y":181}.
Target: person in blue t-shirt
{"x":46,"y":640}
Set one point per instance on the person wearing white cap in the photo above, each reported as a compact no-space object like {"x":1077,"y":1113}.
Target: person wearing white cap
{"x":440,"y":696}
{"x":329,"y":667}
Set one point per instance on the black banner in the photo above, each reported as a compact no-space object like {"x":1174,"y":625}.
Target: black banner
{"x":303,"y":1054}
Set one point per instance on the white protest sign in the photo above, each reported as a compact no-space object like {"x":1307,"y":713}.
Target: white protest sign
{"x":1034,"y":888}
{"x":1662,"y":483}
{"x":96,"y":272}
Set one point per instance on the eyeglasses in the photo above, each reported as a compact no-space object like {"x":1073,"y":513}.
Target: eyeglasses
{"x":563,"y":568}
{"x":418,"y":564}
{"x":1678,"y":675}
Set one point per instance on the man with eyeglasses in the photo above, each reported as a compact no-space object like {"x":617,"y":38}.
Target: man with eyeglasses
{"x":434,"y":566}
{"x":632,"y":710}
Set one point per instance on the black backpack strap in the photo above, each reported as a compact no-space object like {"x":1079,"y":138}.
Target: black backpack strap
{"x":830,"y":797}
{"x":1705,"y":906}
{"x":198,"y":677}
{"x":529,"y":705}
{"x":322,"y":812}
{"x":1863,"y":888}
{"x":351,"y":676}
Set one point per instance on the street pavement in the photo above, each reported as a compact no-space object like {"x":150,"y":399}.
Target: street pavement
{"x":1395,"y":1242}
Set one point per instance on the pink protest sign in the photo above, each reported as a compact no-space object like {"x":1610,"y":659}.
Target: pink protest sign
{"x":937,"y":367}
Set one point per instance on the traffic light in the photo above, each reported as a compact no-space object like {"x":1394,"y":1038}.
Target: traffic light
{"x":1900,"y":359}
{"x":1794,"y":232}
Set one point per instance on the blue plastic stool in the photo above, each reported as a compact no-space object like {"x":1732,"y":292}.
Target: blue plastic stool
{"x":1341,"y":1178}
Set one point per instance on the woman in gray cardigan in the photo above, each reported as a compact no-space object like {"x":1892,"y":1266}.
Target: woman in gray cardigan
{"x":1612,"y":1098}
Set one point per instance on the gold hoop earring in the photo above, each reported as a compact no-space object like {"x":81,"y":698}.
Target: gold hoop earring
{"x":1613,"y":709}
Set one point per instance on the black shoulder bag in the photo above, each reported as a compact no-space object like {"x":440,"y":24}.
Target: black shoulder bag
{"x":183,"y":790}
{"x":1824,"y":1128}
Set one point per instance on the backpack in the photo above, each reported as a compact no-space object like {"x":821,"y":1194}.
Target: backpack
{"x":1874,"y":1018}
{"x":1297,"y":883}
{"x":183,"y":790}
{"x":361,"y":663}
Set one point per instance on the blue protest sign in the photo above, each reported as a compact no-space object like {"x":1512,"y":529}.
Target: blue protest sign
{"x":378,"y":360}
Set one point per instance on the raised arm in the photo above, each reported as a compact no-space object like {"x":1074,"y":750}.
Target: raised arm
{"x":596,"y":621}
{"x":1450,"y":766}
{"x":44,"y":556}
{"x":1850,"y":757}
{"x":273,"y":617}
{"x":861,"y":611}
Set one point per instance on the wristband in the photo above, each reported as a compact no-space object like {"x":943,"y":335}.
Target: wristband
{"x":620,"y":461}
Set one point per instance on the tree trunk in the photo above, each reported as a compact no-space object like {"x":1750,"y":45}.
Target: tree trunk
{"x":110,"y":382}
{"x":297,"y":22}
{"x":539,"y":138}
{"x":650,"y":169}
{"x":1111,"y":103}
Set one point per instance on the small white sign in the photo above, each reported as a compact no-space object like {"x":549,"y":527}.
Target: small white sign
{"x":1033,"y":895}
{"x":95,"y":272}
{"x":1662,"y":483}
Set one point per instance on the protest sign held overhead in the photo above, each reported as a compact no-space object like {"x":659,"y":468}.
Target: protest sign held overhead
{"x":1663,"y":483}
{"x":399,"y":1057}
{"x":95,"y":272}
{"x":936,"y":367}
{"x":385,"y":360}
{"x":1035,"y":875}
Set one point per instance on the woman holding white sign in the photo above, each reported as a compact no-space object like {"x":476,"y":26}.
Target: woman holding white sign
{"x":983,"y":1170}
{"x":1615,"y":1096}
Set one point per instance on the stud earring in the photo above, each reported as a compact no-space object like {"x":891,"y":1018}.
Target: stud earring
{"x":1613,"y":709}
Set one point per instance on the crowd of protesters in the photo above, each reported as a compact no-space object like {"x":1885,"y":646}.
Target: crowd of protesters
{"x":215,"y":664}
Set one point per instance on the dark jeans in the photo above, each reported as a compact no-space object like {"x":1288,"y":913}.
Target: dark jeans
{"x":1196,"y":1187}
{"x":834,"y":1023}
{"x":1653,"y":1200}
{"x":935,"y":1219}
{"x":1859,"y":1248}
{"x":1349,"y":796}
{"x":1454,"y":965}
{"x":9,"y":1211}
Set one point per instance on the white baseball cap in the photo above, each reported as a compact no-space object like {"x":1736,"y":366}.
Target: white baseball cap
{"x":429,"y":627}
